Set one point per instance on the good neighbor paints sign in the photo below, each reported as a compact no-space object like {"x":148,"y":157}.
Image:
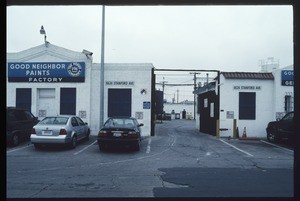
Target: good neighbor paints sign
{"x":46,"y":72}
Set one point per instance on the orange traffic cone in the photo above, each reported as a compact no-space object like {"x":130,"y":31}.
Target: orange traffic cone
{"x":244,"y":136}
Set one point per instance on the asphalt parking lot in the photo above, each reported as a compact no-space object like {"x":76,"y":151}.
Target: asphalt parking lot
{"x":178,"y":161}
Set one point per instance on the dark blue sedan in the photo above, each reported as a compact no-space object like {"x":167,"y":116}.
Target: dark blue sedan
{"x":120,"y":130}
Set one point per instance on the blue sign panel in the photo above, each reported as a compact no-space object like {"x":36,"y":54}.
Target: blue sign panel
{"x":46,"y":72}
{"x":287,"y":78}
{"x":146,"y":105}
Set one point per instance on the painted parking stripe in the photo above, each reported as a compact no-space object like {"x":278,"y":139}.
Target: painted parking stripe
{"x":148,"y":146}
{"x":237,"y":148}
{"x":17,"y":149}
{"x":85,"y":148}
{"x":277,"y":146}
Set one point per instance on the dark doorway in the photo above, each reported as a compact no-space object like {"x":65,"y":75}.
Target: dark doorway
{"x":247,"y":106}
{"x":23,"y":98}
{"x":209,"y":112}
{"x":119,"y":102}
{"x":159,"y":102}
{"x":68,"y":101}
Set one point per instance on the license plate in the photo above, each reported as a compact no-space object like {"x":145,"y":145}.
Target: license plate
{"x":117,"y":134}
{"x":46,"y":132}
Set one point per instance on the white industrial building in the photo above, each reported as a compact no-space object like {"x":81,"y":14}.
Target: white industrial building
{"x":51,"y":80}
{"x":252,"y":98}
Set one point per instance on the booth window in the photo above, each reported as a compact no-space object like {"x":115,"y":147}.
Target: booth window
{"x":247,"y":105}
{"x":288,"y":104}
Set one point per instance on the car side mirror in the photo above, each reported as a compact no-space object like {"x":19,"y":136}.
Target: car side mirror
{"x":85,"y":123}
{"x":140,"y":125}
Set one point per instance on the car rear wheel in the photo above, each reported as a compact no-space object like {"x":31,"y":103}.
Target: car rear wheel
{"x":73,"y":142}
{"x":271,"y":136}
{"x":15,"y":140}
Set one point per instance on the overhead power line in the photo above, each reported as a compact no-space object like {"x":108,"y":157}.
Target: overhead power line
{"x":175,"y":84}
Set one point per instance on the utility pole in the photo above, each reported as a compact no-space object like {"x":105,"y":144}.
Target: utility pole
{"x":102,"y":70}
{"x":195,"y":87}
{"x":177,"y":95}
{"x":207,"y":78}
{"x":195,"y":79}
{"x":163,"y":86}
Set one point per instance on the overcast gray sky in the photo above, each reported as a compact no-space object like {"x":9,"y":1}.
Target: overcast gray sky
{"x":226,"y":38}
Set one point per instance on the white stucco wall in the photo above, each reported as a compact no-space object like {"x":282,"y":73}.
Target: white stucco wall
{"x":95,"y":99}
{"x":229,"y":101}
{"x":87,"y":92}
{"x":269,"y":101}
{"x":280,"y":92}
{"x":139,"y":74}
{"x":51,"y":53}
{"x":197,"y":120}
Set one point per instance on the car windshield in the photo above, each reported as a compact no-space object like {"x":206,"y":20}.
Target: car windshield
{"x":54,"y":120}
{"x":123,"y":123}
{"x":288,"y":117}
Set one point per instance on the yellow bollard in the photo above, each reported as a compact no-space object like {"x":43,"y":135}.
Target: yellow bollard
{"x":234,"y":129}
{"x":218,"y":129}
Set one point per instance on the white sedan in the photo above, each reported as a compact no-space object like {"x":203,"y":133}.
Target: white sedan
{"x":64,"y":129}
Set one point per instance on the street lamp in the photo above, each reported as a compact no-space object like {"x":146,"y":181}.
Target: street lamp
{"x":43,"y":32}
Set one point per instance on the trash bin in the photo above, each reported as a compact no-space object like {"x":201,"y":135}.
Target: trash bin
{"x":177,"y":115}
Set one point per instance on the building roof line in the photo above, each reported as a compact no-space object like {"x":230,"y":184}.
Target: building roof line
{"x":247,"y":75}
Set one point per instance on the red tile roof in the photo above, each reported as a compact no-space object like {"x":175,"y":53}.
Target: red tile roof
{"x":248,"y":75}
